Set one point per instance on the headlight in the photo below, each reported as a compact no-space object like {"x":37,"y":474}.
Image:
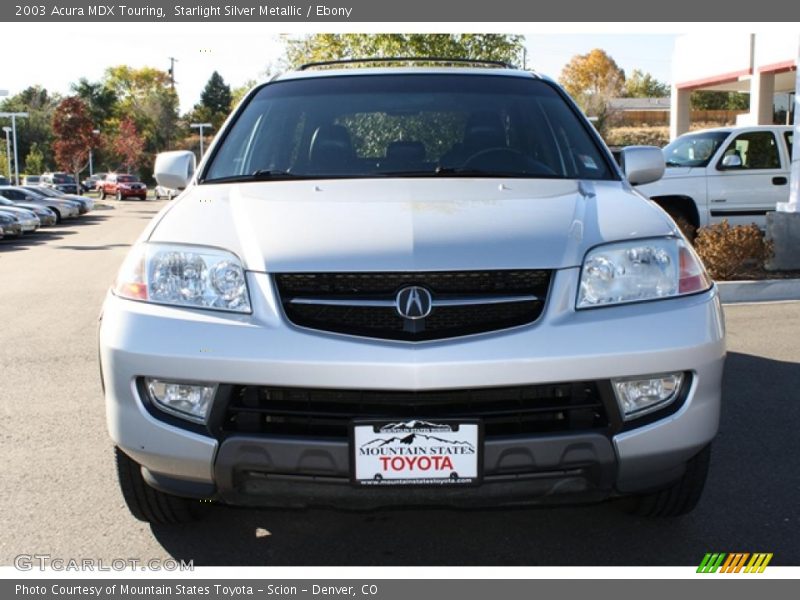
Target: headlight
{"x":194,"y":276}
{"x":640,"y":270}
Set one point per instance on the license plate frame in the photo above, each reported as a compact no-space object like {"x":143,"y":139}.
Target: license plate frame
{"x":442,"y":452}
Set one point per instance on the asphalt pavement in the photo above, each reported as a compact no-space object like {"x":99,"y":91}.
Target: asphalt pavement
{"x":59,"y":494}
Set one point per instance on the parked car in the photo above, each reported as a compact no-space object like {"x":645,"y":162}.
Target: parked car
{"x":63,"y":182}
{"x":64,"y":209}
{"x":165,"y":192}
{"x":27,"y":219}
{"x":90,"y":183}
{"x":31,"y":179}
{"x":122,"y":186}
{"x":733,"y":173}
{"x":46,"y":216}
{"x":411,"y":286}
{"x":10,"y":225}
{"x":86,"y":204}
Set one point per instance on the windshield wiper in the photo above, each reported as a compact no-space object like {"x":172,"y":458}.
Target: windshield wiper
{"x":260,"y":175}
{"x":462,"y":172}
{"x":672,"y":163}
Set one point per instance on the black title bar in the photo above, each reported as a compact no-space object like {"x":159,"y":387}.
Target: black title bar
{"x":443,"y":11}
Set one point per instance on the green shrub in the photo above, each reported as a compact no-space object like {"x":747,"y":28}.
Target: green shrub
{"x":729,"y":252}
{"x":637,"y":136}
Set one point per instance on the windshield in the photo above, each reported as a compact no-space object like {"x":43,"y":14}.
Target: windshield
{"x":694,"y":150}
{"x":43,"y":192}
{"x":408,"y":125}
{"x":63,"y":178}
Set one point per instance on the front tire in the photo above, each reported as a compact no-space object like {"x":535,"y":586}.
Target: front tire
{"x":102,"y":194}
{"x":678,"y":499}
{"x":149,"y":504}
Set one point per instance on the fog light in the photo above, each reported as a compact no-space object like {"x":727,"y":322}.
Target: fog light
{"x":184,"y":400}
{"x":637,"y":397}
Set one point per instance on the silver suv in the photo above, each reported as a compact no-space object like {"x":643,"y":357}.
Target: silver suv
{"x":403,"y":286}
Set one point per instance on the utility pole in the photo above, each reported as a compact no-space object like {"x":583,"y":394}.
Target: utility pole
{"x":172,"y":62}
{"x":14,"y":116}
{"x":200,"y":126}
{"x":794,"y":193}
{"x":91,"y":167}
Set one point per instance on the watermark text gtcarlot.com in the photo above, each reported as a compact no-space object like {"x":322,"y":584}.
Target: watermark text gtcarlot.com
{"x":42,"y":562}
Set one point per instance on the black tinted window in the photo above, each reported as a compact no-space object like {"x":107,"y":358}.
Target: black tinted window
{"x":756,"y":149}
{"x":383,"y":125}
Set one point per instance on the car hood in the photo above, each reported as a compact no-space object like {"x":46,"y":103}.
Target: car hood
{"x":408,"y":224}
{"x":31,"y":207}
{"x":18,"y":211}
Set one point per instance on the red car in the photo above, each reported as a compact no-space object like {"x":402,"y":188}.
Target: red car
{"x":121,"y":186}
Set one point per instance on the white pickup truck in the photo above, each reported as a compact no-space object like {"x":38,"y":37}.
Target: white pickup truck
{"x":734,"y":173}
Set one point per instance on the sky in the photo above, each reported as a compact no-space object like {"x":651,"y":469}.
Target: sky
{"x":240,"y":52}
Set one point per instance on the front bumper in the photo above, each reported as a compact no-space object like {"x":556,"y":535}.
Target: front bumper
{"x":12,"y":229}
{"x":682,"y":334}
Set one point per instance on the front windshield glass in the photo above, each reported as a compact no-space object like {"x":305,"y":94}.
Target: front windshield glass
{"x":694,"y":150}
{"x":412,"y":125}
{"x":63,"y":178}
{"x":44,"y":192}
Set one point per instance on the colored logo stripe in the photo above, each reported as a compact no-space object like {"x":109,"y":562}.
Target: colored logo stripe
{"x":734,"y":562}
{"x":758,"y":563}
{"x":711,"y":563}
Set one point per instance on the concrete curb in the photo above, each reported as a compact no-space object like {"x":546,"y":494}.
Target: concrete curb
{"x":768,"y":290}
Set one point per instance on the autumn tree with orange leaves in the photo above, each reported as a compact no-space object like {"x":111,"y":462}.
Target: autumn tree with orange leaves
{"x":593,"y":79}
{"x":72,"y":126}
{"x":128,"y":145}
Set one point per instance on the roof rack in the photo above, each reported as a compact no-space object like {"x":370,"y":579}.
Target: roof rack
{"x":408,"y":59}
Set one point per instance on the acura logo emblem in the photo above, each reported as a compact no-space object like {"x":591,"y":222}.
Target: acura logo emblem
{"x":414,"y":302}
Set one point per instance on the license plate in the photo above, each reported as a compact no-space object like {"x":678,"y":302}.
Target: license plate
{"x":416,"y":452}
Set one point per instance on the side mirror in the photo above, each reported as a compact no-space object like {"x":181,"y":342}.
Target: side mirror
{"x":732,"y":161}
{"x":642,"y":164}
{"x":174,"y":169}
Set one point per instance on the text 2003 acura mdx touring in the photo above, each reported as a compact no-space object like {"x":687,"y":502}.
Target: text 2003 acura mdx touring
{"x":403,"y":286}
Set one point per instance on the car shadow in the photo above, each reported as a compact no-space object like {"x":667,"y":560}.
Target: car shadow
{"x":102,"y":247}
{"x":9,"y":244}
{"x":750,"y":503}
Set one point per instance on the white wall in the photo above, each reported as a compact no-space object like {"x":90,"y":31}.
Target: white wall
{"x":703,"y":56}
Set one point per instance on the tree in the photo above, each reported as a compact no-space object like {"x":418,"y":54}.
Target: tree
{"x":707,"y":100}
{"x":38,"y":127}
{"x":128,"y":145}
{"x":593,"y":79}
{"x":216,"y":96}
{"x":644,"y":85}
{"x":146,"y":96}
{"x":72,"y":126}
{"x":334,"y":46}
{"x":34,"y":161}
{"x":239,"y":92}
{"x":100,"y":99}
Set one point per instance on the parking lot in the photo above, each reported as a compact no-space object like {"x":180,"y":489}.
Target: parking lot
{"x":59,"y":492}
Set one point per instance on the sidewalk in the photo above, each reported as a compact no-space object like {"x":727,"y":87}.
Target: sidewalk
{"x":768,"y":290}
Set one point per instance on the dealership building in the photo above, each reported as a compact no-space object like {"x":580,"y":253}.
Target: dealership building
{"x":759,"y":64}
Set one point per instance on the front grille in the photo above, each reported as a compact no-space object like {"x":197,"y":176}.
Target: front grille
{"x":326,"y":413}
{"x":363,"y":303}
